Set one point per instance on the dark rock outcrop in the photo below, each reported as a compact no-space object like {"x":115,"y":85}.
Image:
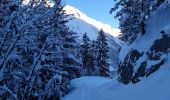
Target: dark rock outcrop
{"x":126,"y":67}
{"x":159,"y":48}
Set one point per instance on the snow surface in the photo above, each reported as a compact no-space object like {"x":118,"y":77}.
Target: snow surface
{"x":154,"y":87}
{"x":82,"y":23}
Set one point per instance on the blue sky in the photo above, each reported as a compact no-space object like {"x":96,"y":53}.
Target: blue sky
{"x":97,"y":9}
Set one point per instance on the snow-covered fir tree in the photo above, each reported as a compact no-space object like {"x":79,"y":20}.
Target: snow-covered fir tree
{"x":35,"y":44}
{"x":70,"y":63}
{"x":132,"y":15}
{"x":102,"y":54}
{"x":93,"y":58}
{"x":87,"y":59}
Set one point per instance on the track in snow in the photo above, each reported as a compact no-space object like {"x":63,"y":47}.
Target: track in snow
{"x":89,"y":88}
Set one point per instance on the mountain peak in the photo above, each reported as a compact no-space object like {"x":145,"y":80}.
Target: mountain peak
{"x":71,"y":10}
{"x":85,"y":24}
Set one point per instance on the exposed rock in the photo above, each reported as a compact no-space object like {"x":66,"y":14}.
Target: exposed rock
{"x":126,"y":68}
{"x":161,"y":45}
{"x":155,"y":67}
{"x":140,"y":72}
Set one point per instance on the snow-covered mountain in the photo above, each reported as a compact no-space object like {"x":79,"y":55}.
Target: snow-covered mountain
{"x":81,"y":24}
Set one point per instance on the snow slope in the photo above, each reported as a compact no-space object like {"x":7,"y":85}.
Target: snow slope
{"x":157,"y":22}
{"x":88,"y":88}
{"x":82,"y":23}
{"x":155,"y":87}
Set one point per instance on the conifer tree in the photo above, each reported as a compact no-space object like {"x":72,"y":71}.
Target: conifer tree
{"x":87,"y":58}
{"x":70,"y":62}
{"x":132,"y":15}
{"x":102,"y":54}
{"x":34,"y":46}
{"x":93,"y":58}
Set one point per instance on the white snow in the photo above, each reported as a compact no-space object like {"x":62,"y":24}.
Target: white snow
{"x":82,"y":23}
{"x":138,"y":62}
{"x":154,"y":87}
{"x":88,"y":88}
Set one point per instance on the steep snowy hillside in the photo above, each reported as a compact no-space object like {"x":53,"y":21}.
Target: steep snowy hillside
{"x":81,"y":24}
{"x":148,"y":53}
